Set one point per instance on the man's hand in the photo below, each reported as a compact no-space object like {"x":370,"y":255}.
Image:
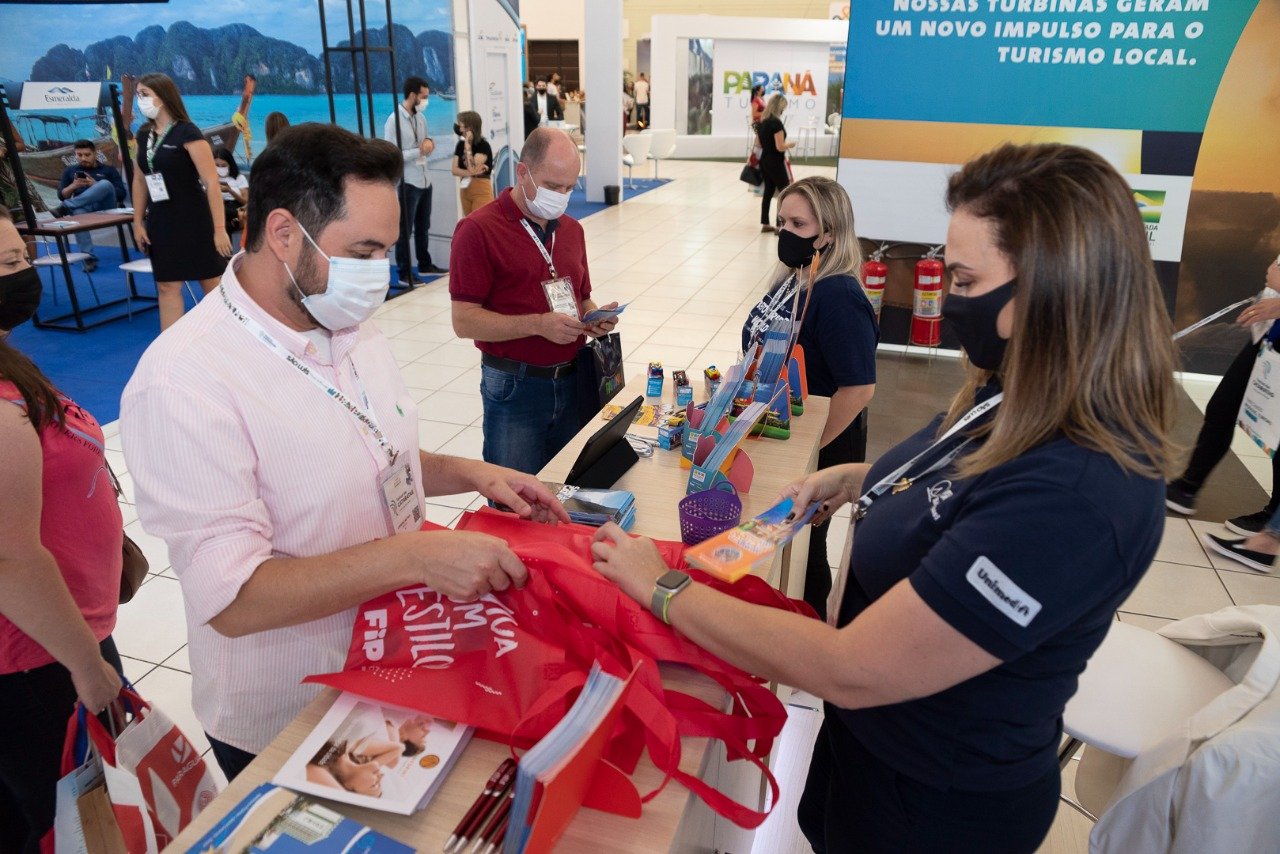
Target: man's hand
{"x":523,"y":493}
{"x":559,"y":328}
{"x":426,"y":147}
{"x":604,"y":327}
{"x":465,"y":565}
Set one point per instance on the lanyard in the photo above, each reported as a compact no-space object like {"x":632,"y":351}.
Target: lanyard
{"x":897,"y":480}
{"x":789,"y":290}
{"x":274,"y":346}
{"x":546,"y":256}
{"x":153,"y":145}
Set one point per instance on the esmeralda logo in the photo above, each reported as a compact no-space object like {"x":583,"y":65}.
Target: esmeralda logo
{"x":61,"y":95}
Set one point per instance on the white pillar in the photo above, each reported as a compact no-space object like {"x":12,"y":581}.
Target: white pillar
{"x":602,"y":83}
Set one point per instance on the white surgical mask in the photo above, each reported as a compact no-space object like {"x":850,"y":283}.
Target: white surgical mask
{"x":224,"y":171}
{"x":356,"y":287}
{"x":424,"y":103}
{"x":546,"y":204}
{"x":148,"y":106}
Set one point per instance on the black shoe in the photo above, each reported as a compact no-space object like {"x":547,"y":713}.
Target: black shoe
{"x":1234,"y":549}
{"x":60,"y":211}
{"x":409,"y":280}
{"x":1180,"y":500}
{"x":1247,"y":526}
{"x":90,"y":264}
{"x":431,"y":270}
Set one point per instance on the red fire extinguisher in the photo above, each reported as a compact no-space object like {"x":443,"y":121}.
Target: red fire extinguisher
{"x":874,"y":274}
{"x":926,"y":314}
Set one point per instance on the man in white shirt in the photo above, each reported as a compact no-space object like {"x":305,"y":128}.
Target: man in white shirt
{"x":274,"y":446}
{"x":416,"y":144}
{"x":548,"y":104}
{"x":642,"y":101}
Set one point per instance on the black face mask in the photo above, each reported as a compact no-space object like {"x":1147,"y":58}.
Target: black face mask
{"x":974,"y":321}
{"x":19,"y":297}
{"x":457,"y":129}
{"x":795,"y":251}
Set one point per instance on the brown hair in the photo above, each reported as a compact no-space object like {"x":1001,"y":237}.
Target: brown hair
{"x":276,"y":122}
{"x":167,"y":91}
{"x":1091,"y":354}
{"x":470,"y":120}
{"x":39,"y":395}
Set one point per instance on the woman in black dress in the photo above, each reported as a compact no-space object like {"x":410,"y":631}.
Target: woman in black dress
{"x":178,"y":214}
{"x":773,"y":156}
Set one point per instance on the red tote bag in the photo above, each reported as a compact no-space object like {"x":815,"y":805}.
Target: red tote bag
{"x":511,"y":663}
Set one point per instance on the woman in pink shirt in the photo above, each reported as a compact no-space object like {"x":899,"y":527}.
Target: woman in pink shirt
{"x":60,"y":564}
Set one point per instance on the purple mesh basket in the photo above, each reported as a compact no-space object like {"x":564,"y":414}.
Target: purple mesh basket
{"x":707,"y":513}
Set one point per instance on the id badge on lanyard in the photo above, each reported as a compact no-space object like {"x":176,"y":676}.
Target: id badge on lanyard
{"x":156,"y":188}
{"x":400,"y":499}
{"x":559,"y":289}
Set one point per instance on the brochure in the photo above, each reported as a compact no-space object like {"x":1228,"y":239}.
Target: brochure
{"x":597,"y":506}
{"x":597,"y":315}
{"x":278,"y":821}
{"x":375,"y":755}
{"x":732,"y":554}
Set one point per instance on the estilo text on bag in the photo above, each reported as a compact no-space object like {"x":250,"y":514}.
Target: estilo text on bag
{"x":511,"y":663}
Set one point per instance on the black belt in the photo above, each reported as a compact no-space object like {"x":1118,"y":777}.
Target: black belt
{"x":511,"y":366}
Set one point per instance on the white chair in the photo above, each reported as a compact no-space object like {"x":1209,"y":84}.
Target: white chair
{"x":1136,"y":688}
{"x":637,"y":147}
{"x":51,"y":259}
{"x":143,"y":265}
{"x":662,"y":146}
{"x":807,"y":138}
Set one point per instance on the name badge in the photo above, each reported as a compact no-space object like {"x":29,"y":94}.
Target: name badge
{"x":156,"y":188}
{"x":560,"y":296}
{"x":400,"y":499}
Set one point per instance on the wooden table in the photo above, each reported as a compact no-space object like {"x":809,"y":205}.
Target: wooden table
{"x":83,"y":222}
{"x":674,"y":820}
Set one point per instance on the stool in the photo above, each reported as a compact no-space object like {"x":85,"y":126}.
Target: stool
{"x":1136,"y":688}
{"x":807,"y":139}
{"x":143,"y":265}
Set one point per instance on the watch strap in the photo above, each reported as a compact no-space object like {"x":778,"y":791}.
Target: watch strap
{"x":663,"y":593}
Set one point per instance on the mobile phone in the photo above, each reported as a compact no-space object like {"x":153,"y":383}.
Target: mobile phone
{"x":82,"y":174}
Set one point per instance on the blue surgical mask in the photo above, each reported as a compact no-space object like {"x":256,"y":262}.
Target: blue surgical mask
{"x":356,"y":287}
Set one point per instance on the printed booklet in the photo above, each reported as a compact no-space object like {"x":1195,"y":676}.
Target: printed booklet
{"x":732,"y":554}
{"x":374,"y":755}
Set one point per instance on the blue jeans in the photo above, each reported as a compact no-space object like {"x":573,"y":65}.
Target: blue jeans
{"x":100,"y":197}
{"x":415,"y":218}
{"x":527,"y":420}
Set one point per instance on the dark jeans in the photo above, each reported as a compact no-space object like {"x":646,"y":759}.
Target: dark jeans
{"x":853,"y":802}
{"x":642,"y":115}
{"x":527,"y":420}
{"x":849,"y":447}
{"x":1219,"y":426}
{"x":415,"y":218}
{"x":100,"y":197}
{"x":35,"y":706}
{"x":232,"y":760}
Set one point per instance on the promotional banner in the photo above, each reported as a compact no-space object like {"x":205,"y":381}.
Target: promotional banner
{"x":1182,"y":96}
{"x":797,"y":70}
{"x":61,"y":96}
{"x":495,"y":69}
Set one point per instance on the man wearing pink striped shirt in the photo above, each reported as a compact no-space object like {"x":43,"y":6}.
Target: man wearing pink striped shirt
{"x":274,"y":447}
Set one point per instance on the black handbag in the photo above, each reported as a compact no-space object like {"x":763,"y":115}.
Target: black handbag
{"x":752,"y":175}
{"x":601,"y":374}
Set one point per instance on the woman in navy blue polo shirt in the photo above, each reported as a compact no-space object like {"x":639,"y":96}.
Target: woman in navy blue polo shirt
{"x":838,"y":332}
{"x":994,"y":545}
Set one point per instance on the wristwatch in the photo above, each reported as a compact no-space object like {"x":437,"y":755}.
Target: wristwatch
{"x":665,"y":590}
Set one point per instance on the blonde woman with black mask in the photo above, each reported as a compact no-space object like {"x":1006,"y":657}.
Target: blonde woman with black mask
{"x":817,"y":287}
{"x":994,"y":545}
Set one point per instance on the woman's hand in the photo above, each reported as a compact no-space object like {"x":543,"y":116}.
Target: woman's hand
{"x":222,"y":242}
{"x":1262,"y":310}
{"x":97,"y":685}
{"x":633,"y":563}
{"x":140,"y":237}
{"x":834,"y":487}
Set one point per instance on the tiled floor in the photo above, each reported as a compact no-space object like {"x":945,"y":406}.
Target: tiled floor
{"x":690,"y":258}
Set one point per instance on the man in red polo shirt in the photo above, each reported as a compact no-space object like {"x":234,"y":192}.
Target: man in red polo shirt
{"x":520,"y":284}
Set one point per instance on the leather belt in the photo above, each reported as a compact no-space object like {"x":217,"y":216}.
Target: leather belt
{"x":511,"y":366}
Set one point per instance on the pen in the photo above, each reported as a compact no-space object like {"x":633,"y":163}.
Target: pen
{"x":501,"y":835}
{"x":491,"y":829}
{"x":493,"y":789}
